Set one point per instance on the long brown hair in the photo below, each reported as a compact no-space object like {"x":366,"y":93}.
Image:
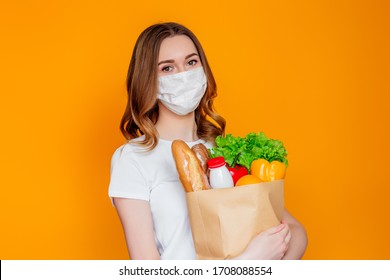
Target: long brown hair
{"x":141,"y":112}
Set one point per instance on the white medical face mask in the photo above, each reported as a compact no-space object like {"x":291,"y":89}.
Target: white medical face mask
{"x":181,"y":93}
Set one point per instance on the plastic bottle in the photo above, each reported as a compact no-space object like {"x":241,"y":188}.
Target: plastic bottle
{"x":220,"y":176}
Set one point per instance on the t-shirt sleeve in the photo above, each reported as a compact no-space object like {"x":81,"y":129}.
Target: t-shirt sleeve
{"x":126,"y":179}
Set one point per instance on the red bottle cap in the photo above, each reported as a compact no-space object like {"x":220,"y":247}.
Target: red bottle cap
{"x":216,"y":162}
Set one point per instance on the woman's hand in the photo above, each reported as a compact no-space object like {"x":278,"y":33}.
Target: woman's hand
{"x":271,"y":244}
{"x":298,"y":242}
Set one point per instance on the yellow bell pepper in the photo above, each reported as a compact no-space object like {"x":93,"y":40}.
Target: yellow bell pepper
{"x":266,"y":171}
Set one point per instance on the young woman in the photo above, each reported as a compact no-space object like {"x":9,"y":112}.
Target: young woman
{"x":170,"y":96}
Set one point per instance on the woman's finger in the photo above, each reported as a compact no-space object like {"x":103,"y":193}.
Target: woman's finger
{"x":288,"y":237}
{"x":275,"y":229}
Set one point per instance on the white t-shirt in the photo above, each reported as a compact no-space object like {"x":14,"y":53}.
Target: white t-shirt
{"x":152,"y":176}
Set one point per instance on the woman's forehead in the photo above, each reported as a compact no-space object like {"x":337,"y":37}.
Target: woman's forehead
{"x":176,"y":47}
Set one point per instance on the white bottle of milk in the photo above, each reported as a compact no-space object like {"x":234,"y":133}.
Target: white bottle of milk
{"x":220,"y":176}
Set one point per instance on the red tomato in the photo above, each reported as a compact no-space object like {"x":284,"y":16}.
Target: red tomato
{"x":237,"y":172}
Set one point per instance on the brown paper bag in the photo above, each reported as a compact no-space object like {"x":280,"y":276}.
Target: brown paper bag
{"x":224,"y":221}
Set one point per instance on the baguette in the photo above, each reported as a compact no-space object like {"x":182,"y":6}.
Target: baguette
{"x":190,"y":171}
{"x":202,"y":154}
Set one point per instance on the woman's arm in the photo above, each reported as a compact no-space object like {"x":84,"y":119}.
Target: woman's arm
{"x":286,"y":241}
{"x":136,"y":219}
{"x":271,"y":244}
{"x":298,"y":242}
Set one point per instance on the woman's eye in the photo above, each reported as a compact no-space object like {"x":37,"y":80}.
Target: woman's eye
{"x":167,"y":68}
{"x":192,"y":62}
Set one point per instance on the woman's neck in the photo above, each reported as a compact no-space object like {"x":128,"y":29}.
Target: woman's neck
{"x":171,"y":126}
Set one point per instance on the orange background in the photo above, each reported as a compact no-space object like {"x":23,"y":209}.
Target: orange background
{"x":314,"y":74}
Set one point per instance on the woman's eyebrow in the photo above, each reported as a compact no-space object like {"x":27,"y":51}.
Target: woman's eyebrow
{"x":188,"y":56}
{"x":171,"y":60}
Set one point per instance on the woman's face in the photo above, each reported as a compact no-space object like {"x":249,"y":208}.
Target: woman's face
{"x":177,"y":54}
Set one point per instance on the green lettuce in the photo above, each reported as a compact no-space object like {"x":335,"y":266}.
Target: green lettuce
{"x":242,"y":151}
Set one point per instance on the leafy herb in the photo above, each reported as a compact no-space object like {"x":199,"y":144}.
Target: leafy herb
{"x":242,"y":151}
